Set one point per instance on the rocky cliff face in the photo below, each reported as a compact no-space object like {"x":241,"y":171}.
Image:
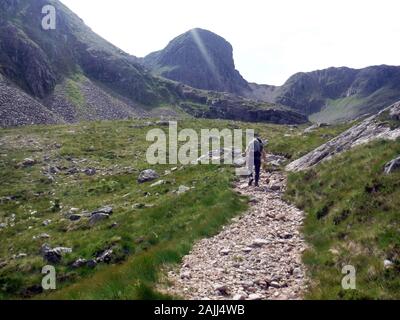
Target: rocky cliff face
{"x":38,"y":62}
{"x":71,"y":74}
{"x":336,"y":94}
{"x":204,"y":60}
{"x":384,"y":125}
{"x":201,"y":59}
{"x":217,"y":105}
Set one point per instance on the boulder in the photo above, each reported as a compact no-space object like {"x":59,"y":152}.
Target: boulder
{"x":392,"y":166}
{"x":147,"y":175}
{"x":28,"y":162}
{"x":106,"y":210}
{"x":75,"y":217}
{"x":105,"y":256}
{"x":98,"y":217}
{"x":183,"y":189}
{"x":90,"y":171}
{"x":387,"y":264}
{"x":79,"y":263}
{"x":54,"y":255}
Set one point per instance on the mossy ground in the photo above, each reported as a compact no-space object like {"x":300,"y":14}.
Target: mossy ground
{"x":145,"y":239}
{"x":353,"y":219}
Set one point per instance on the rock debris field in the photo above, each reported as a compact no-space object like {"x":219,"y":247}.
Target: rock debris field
{"x":256,"y":257}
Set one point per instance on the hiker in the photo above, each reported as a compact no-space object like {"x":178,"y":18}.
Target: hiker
{"x":255,"y":153}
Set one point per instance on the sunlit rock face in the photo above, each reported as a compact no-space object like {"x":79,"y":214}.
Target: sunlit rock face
{"x":201,"y":59}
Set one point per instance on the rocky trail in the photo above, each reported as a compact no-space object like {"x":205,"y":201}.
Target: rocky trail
{"x":256,"y":257}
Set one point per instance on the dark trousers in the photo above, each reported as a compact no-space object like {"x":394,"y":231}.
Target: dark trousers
{"x":255,"y":175}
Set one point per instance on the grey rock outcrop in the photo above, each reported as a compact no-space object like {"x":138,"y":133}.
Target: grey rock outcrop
{"x":147,"y":175}
{"x":373,"y":128}
{"x":54,"y":255}
{"x":392,"y":166}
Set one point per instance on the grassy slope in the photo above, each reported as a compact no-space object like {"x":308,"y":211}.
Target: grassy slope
{"x":166,"y":230}
{"x":344,"y":109}
{"x":353,"y":219}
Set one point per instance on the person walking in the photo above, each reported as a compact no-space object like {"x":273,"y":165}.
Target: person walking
{"x":255,"y":153}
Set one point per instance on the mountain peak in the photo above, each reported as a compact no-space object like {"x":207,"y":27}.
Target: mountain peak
{"x":201,"y":59}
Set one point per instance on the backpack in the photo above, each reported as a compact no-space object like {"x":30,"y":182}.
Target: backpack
{"x":257,"y":147}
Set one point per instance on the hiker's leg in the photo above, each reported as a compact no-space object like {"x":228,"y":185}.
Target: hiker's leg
{"x":251,"y":179}
{"x":257,"y":165}
{"x":250,"y":168}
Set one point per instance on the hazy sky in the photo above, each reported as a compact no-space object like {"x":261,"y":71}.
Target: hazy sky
{"x":272,"y":39}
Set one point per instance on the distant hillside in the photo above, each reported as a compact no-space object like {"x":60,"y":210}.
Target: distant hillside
{"x":43,"y":63}
{"x":204,"y":60}
{"x":201,"y":59}
{"x":71,"y":74}
{"x":336,"y":94}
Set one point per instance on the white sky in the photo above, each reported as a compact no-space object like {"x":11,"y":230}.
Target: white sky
{"x":272,"y":39}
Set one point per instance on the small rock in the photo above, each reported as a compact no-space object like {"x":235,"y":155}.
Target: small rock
{"x":254,"y":296}
{"x":392,"y":166}
{"x":387,"y":264}
{"x":139,"y":206}
{"x":72,"y":171}
{"x":105,"y":256}
{"x":335,"y":252}
{"x":253,"y":200}
{"x":90,"y":171}
{"x":158,"y":183}
{"x":140,"y":240}
{"x":221,"y":288}
{"x":106,"y":210}
{"x":114,"y":225}
{"x":91,"y":264}
{"x":239,"y":297}
{"x":79,"y":263}
{"x":3,"y":225}
{"x":297,"y":272}
{"x":259,"y":243}
{"x":275,"y":187}
{"x":28,"y":162}
{"x":21,"y":255}
{"x":186,"y":275}
{"x":46,"y":222}
{"x":147,"y":175}
{"x":274,"y":284}
{"x":182,"y":190}
{"x":225,"y":252}
{"x":97,"y":217}
{"x":75,"y":217}
{"x":280,"y":216}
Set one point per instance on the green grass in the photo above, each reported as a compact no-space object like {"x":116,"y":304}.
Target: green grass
{"x":353,"y":218}
{"x":338,"y":110}
{"x":117,"y":150}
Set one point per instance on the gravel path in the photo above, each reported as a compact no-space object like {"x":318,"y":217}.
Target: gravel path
{"x":256,"y":257}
